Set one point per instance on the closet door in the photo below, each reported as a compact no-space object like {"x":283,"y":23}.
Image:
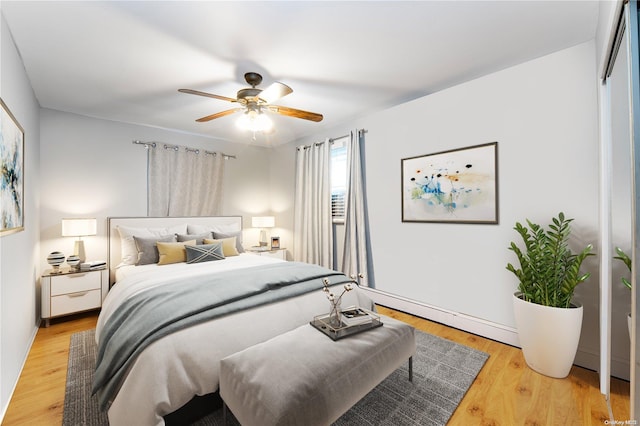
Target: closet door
{"x":634,"y":77}
{"x":620,"y":159}
{"x":621,"y":197}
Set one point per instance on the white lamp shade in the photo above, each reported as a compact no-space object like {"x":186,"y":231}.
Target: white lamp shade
{"x":263,"y":222}
{"x":79,"y":227}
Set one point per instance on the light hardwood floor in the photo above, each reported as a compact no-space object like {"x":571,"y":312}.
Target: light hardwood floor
{"x":506,"y":392}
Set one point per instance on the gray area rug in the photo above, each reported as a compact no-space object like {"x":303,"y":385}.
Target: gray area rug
{"x":443,"y":371}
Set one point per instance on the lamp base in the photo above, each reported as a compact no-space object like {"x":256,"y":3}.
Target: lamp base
{"x":263,"y":238}
{"x":78,"y":250}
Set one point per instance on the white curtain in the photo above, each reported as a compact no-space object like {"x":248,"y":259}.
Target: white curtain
{"x":356,"y":255}
{"x":184,"y":182}
{"x":313,"y":233}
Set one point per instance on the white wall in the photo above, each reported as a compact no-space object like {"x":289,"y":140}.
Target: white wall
{"x":282,"y":160}
{"x":19,"y":252}
{"x":91,"y":168}
{"x":543,"y":114}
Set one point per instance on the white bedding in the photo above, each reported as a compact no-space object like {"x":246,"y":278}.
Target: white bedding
{"x":172,"y":370}
{"x":134,"y":279}
{"x":232,"y":262}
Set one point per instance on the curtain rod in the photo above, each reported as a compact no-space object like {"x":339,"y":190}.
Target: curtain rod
{"x":331,"y":140}
{"x":177,"y":147}
{"x":344,"y":136}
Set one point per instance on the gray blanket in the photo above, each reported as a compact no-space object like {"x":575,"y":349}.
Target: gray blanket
{"x":157,"y":312}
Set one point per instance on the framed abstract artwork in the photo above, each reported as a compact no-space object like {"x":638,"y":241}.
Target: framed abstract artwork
{"x":11,"y":173}
{"x":458,"y":186}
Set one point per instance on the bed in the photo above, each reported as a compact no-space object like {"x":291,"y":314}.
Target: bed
{"x":157,"y":376}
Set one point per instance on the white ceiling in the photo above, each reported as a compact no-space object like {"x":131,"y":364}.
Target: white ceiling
{"x":125,"y":60}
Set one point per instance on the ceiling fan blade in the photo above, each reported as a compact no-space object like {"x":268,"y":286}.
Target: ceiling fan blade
{"x":297,"y":113}
{"x":274,"y":92}
{"x":208,"y":95}
{"x":218,"y":115}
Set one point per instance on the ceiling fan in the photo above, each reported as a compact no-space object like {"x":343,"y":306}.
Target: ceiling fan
{"x":255,"y":101}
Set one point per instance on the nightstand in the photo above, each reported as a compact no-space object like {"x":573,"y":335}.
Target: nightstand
{"x":279,"y":253}
{"x":70,"y":291}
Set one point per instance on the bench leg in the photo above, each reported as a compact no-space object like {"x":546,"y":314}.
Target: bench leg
{"x":411,"y":369}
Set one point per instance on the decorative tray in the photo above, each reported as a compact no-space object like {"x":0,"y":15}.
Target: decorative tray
{"x":363,"y":320}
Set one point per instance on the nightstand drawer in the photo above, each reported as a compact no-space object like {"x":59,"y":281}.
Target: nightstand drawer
{"x":278,"y":254}
{"x":74,"y":283}
{"x":75,"y":302}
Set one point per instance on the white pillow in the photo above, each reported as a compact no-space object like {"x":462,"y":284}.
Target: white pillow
{"x":200,"y":229}
{"x":128,"y":249}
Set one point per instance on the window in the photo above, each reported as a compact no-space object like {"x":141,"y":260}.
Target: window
{"x":338,"y":168}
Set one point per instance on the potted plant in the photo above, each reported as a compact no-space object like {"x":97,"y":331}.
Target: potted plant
{"x":548,"y":321}
{"x":622,"y":256}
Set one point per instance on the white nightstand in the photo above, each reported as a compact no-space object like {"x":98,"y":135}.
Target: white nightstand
{"x":69,"y":291}
{"x":279,"y":253}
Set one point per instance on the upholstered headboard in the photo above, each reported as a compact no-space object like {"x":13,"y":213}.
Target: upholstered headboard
{"x":114,"y":243}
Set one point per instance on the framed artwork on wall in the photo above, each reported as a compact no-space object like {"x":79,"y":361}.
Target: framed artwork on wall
{"x":11,"y":173}
{"x":457,"y":186}
{"x":275,"y":242}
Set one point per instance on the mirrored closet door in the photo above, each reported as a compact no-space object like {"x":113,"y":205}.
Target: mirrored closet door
{"x":620,"y":153}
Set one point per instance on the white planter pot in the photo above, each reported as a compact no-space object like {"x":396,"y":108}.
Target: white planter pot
{"x":548,"y":336}
{"x":629,"y":323}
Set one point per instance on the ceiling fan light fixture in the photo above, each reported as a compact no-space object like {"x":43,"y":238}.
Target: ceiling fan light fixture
{"x":254,"y":101}
{"x":254,"y":121}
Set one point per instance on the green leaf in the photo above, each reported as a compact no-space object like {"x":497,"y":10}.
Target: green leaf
{"x":622,"y":256}
{"x":549,"y":271}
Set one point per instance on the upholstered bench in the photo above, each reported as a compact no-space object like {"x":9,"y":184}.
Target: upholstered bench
{"x":304,"y":378}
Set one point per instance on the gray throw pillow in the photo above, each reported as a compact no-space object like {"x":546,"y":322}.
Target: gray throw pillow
{"x":238,"y":235}
{"x":147,"y":249}
{"x":198,"y":237}
{"x":204,"y":253}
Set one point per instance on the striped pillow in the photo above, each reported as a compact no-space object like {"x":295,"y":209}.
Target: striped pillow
{"x":204,"y":253}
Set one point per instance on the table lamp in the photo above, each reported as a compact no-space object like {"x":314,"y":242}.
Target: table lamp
{"x":263,"y":222}
{"x":79,"y":227}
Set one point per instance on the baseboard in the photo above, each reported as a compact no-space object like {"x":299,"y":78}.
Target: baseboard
{"x":454,"y":319}
{"x":5,"y":406}
{"x":481,"y":327}
{"x":620,"y":368}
